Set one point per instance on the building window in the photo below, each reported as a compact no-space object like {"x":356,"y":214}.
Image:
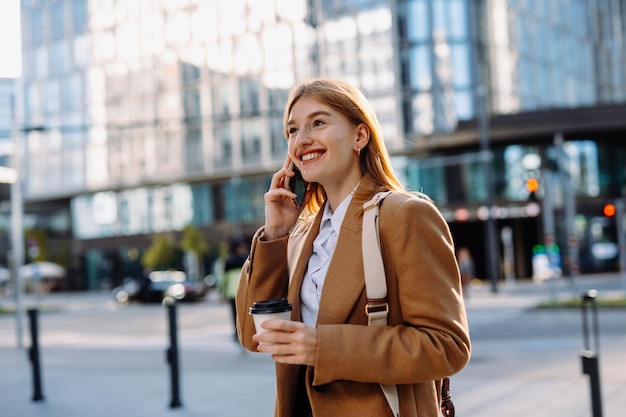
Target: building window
{"x":193,"y":150}
{"x":278,"y":142}
{"x":251,"y":141}
{"x":220,"y":95}
{"x":57,"y":25}
{"x":249,"y":97}
{"x":222,"y":146}
{"x":80,"y":16}
{"x":37,"y":28}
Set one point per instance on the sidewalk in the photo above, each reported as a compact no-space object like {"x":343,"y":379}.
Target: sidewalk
{"x":92,"y":366}
{"x":90,"y":370}
{"x":526,"y":362}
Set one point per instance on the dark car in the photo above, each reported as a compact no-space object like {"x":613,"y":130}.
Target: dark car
{"x":159,"y":285}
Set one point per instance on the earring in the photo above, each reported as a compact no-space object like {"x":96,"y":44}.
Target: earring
{"x":358,"y":152}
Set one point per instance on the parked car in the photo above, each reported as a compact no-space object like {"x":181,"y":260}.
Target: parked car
{"x":48,"y":276}
{"x":159,"y":285}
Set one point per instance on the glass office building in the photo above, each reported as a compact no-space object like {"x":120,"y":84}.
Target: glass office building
{"x":158,"y":114}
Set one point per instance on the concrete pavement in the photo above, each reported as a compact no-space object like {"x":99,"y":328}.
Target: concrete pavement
{"x":524,"y":363}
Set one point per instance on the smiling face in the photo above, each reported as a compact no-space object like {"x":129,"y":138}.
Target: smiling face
{"x":322,"y":142}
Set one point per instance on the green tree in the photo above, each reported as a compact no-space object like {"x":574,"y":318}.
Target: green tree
{"x":194,"y":245}
{"x":193,"y":241}
{"x":160,"y":255}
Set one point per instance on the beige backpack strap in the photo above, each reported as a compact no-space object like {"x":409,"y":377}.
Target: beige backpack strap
{"x":375,"y":284}
{"x":377,"y":307}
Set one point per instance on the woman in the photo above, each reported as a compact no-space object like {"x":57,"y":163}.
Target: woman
{"x":329,"y":362}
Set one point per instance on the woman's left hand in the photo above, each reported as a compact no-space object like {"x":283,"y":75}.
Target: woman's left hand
{"x":289,"y":342}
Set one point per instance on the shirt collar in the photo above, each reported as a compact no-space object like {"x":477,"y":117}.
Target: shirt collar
{"x":337,"y":217}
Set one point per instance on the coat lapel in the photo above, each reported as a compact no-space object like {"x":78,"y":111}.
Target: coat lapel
{"x":299,"y":252}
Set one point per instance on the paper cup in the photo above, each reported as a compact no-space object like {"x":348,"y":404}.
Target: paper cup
{"x":274,"y":309}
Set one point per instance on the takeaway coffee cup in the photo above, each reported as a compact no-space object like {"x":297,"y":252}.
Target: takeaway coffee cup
{"x":276,"y":308}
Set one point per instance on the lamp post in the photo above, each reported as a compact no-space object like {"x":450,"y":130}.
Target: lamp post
{"x":17,"y":209}
{"x":17,"y":222}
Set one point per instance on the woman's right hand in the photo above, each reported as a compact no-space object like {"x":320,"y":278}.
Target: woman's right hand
{"x":281,"y":213}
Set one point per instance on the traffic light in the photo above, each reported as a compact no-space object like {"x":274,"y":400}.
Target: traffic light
{"x":609,"y":210}
{"x":532,"y":184}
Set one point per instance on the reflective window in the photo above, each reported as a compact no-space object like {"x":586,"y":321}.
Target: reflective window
{"x":251,"y":140}
{"x":417,"y":21}
{"x":40,"y":63}
{"x":194,"y":154}
{"x":581,"y":161}
{"x":458,"y":19}
{"x":278,"y":143}
{"x":191,"y":104}
{"x":464,"y":104}
{"x":37,"y":28}
{"x":430,"y":180}
{"x":249,"y":96}
{"x":73,"y":168}
{"x":80,"y":16}
{"x":71,"y":92}
{"x":420,"y":65}
{"x":59,"y":57}
{"x":57,"y":26}
{"x":220,"y":94}
{"x":202,"y":204}
{"x":222,"y":148}
{"x":244,"y":199}
{"x":460,"y":65}
{"x":32,"y":101}
{"x":6,"y":108}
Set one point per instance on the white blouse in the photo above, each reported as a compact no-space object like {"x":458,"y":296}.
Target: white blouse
{"x":323,"y":248}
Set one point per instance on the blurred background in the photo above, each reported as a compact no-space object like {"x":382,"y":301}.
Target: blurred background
{"x":145,"y":133}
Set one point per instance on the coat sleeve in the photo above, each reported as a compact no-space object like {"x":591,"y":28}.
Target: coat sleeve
{"x":427,"y":337}
{"x":263,"y":276}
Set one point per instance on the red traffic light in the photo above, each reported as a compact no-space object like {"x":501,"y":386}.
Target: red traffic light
{"x":609,"y":210}
{"x":532,"y":184}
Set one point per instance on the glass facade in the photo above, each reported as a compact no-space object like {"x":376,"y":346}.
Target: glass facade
{"x":542,"y":57}
{"x":6,"y":119}
{"x":170,"y":112}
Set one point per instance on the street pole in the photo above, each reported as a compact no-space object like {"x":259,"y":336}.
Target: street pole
{"x":17,"y":212}
{"x":493,"y":253}
{"x":481,"y":98}
{"x":570,"y":210}
{"x":621,"y":241}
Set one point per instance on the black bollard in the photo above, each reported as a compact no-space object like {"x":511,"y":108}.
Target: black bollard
{"x":33,"y":355}
{"x":590,"y":365}
{"x":172,"y":354}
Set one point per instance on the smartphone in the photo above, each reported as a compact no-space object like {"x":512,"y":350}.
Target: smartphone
{"x":297,"y":185}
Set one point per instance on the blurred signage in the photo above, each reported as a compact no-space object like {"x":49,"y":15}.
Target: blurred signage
{"x":482,"y":213}
{"x":7,"y":175}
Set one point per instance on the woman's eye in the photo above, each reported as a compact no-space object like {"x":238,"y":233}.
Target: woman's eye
{"x":318,"y":123}
{"x":292,"y":131}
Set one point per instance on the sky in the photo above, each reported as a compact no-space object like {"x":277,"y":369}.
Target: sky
{"x":10,"y":39}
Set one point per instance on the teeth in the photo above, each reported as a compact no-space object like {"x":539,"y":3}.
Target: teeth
{"x":310,"y":156}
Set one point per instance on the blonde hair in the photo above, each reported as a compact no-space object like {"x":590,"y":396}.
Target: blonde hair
{"x":344,"y":98}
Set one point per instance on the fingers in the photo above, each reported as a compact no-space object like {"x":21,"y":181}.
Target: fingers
{"x":288,"y":342}
{"x":288,"y":162}
{"x":283,"y":325}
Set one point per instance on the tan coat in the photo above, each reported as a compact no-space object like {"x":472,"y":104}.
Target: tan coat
{"x":428,"y":336}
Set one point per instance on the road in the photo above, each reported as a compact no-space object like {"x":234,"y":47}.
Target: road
{"x":100,"y":358}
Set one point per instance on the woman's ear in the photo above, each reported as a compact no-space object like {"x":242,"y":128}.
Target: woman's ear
{"x":362,"y":136}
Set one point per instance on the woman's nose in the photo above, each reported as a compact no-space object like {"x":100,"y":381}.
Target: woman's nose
{"x":303,"y":137}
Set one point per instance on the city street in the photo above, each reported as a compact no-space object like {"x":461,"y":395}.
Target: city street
{"x":99,"y":358}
